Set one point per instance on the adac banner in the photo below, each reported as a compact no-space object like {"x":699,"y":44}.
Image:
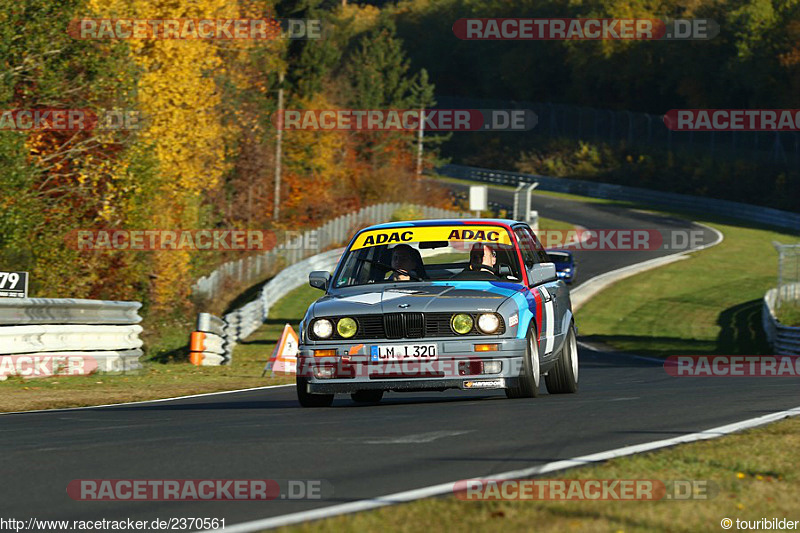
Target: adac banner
{"x":462,"y":233}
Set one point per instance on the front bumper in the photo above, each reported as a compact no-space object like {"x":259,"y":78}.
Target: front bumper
{"x":412,"y":385}
{"x":458,"y":366}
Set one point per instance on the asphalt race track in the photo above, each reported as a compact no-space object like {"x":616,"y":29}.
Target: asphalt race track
{"x":408,"y":441}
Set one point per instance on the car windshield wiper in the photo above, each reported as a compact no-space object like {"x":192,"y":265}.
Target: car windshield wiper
{"x":398,"y":271}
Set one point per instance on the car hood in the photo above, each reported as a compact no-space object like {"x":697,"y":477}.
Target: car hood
{"x":420,"y":297}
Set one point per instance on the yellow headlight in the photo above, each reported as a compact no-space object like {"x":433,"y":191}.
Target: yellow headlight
{"x":346,"y":327}
{"x":461,"y":323}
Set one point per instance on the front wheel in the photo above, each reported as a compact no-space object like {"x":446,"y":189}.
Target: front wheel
{"x":563,"y":378}
{"x":311,"y":400}
{"x":529,"y":375}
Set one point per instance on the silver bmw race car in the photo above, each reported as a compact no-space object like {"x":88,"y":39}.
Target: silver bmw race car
{"x":435,"y":305}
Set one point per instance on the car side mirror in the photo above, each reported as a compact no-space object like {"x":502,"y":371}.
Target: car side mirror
{"x":542,"y":273}
{"x":319,"y":279}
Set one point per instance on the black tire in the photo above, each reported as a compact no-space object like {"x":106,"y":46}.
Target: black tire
{"x":367,"y":396}
{"x":311,"y":400}
{"x":563,"y":377}
{"x":530,"y":376}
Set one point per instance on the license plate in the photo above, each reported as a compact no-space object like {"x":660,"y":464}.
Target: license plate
{"x":402,"y":352}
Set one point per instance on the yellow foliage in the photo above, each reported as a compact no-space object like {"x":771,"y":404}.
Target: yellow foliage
{"x":318,"y":152}
{"x":360,"y":18}
{"x":178,"y":100}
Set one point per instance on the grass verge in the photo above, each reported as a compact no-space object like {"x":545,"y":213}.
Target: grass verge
{"x":707,"y":304}
{"x":789,"y":315}
{"x":750,"y":475}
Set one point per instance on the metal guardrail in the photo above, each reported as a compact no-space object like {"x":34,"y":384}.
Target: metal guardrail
{"x":210,"y":344}
{"x":68,"y":311}
{"x":737,"y":210}
{"x":94,"y":335}
{"x":209,"y":323}
{"x":784,"y":339}
{"x":251,"y":270}
{"x":53,"y":338}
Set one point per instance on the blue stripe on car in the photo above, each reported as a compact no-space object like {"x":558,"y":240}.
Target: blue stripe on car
{"x":526,"y":303}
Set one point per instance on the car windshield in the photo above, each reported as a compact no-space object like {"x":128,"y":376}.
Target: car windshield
{"x":427,"y":253}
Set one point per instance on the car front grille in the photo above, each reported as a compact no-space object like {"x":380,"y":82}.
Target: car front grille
{"x":407,"y":326}
{"x":394,"y":325}
{"x":370,"y":327}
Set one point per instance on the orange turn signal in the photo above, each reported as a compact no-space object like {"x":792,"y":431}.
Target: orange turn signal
{"x":487,"y":347}
{"x":325,"y":353}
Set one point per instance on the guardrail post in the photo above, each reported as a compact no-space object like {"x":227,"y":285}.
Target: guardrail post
{"x":519,"y":188}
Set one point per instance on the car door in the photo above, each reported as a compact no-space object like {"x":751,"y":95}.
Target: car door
{"x":553,"y":293}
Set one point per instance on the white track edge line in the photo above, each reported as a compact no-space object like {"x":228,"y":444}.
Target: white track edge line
{"x":444,"y":488}
{"x":622,"y":354}
{"x":157,"y":400}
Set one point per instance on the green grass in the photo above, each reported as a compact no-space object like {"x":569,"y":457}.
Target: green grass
{"x":551,"y":224}
{"x":707,"y":304}
{"x":789,"y":315}
{"x":164,"y":379}
{"x":751,"y":475}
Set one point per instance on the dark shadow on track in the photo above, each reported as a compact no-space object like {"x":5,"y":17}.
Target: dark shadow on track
{"x":742,"y":333}
{"x":664,"y":346}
